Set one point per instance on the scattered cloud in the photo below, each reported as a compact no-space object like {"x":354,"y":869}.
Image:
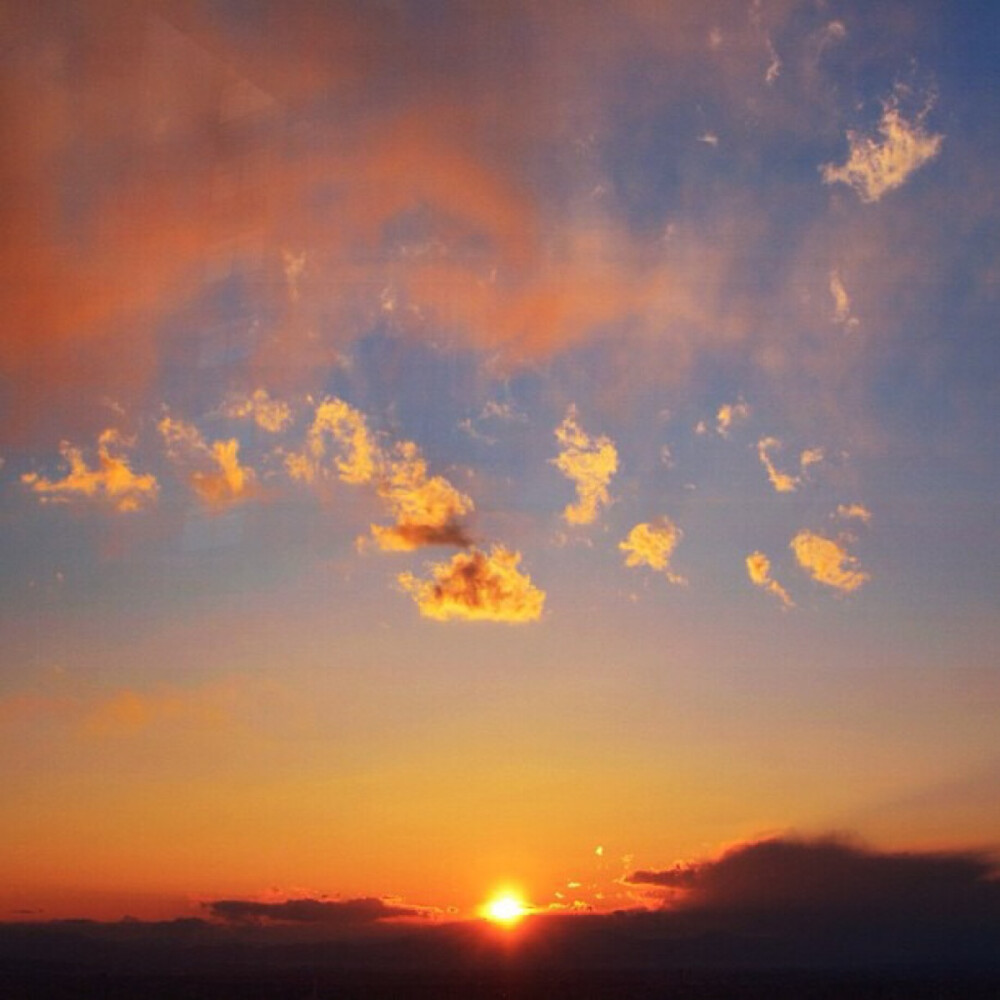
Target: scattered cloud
{"x":112,"y":480}
{"x":269,"y":414}
{"x":731,"y":415}
{"x":476,"y":586}
{"x":784,"y":482}
{"x":330,"y":913}
{"x":652,"y":544}
{"x":841,"y":303}
{"x":827,"y":561}
{"x":854,"y":511}
{"x":759,"y":571}
{"x":221,"y":478}
{"x":589,"y":463}
{"x":875,"y":166}
{"x":426,"y":508}
{"x":358,"y":458}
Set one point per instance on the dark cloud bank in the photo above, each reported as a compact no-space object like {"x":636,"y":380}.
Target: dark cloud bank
{"x":774,"y":918}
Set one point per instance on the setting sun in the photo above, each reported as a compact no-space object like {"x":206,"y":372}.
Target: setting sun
{"x":505,"y":909}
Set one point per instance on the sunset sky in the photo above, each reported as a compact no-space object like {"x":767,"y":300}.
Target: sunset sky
{"x":453,"y":446}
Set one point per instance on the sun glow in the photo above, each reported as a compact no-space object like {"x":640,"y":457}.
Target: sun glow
{"x":505,"y":909}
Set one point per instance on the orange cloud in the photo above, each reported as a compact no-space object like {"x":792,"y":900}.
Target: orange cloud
{"x":784,"y":482}
{"x":112,"y":480}
{"x":359,"y":456}
{"x":854,"y":511}
{"x":269,"y":414}
{"x":476,"y":586}
{"x":223,"y":479}
{"x":827,"y":562}
{"x":652,"y":544}
{"x":426,"y":509}
{"x":589,"y":463}
{"x":759,"y":571}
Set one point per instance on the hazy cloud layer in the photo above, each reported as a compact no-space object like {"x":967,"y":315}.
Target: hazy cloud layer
{"x":477,"y":586}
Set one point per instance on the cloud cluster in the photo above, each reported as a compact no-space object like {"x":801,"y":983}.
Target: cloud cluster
{"x":759,"y":571}
{"x":875,"y":166}
{"x":784,"y":482}
{"x":589,"y":463}
{"x":217,"y":475}
{"x":426,"y":508}
{"x":357,"y":455}
{"x":272,"y":415}
{"x":477,"y":586}
{"x":827,"y":561}
{"x":652,"y":544}
{"x":112,"y":480}
{"x":841,"y":303}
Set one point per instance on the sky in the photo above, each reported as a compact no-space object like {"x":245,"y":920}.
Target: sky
{"x":450,"y":446}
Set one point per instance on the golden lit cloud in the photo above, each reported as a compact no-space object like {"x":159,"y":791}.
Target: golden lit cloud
{"x":652,"y":544}
{"x":112,"y":480}
{"x":731,"y":415}
{"x":854,"y":511}
{"x":476,"y":586}
{"x":358,"y":459}
{"x":784,"y":482}
{"x":875,"y":166}
{"x":827,"y":561}
{"x":426,"y":509}
{"x":759,"y":571}
{"x":589,"y":463}
{"x":219,"y":477}
{"x":269,"y":414}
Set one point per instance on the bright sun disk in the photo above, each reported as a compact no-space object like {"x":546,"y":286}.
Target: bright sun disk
{"x":505,"y":909}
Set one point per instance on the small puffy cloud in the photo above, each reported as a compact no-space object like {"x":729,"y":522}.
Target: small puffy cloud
{"x":476,"y":586}
{"x":784,"y":482}
{"x":827,"y":561}
{"x":877,"y":165}
{"x":269,"y":414}
{"x":589,"y":463}
{"x":652,"y":544}
{"x":841,"y":303}
{"x":854,"y":512}
{"x":112,"y":480}
{"x":731,"y":415}
{"x":426,"y":508}
{"x":358,"y":457}
{"x":219,"y":477}
{"x":759,"y":571}
{"x":329,"y":913}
